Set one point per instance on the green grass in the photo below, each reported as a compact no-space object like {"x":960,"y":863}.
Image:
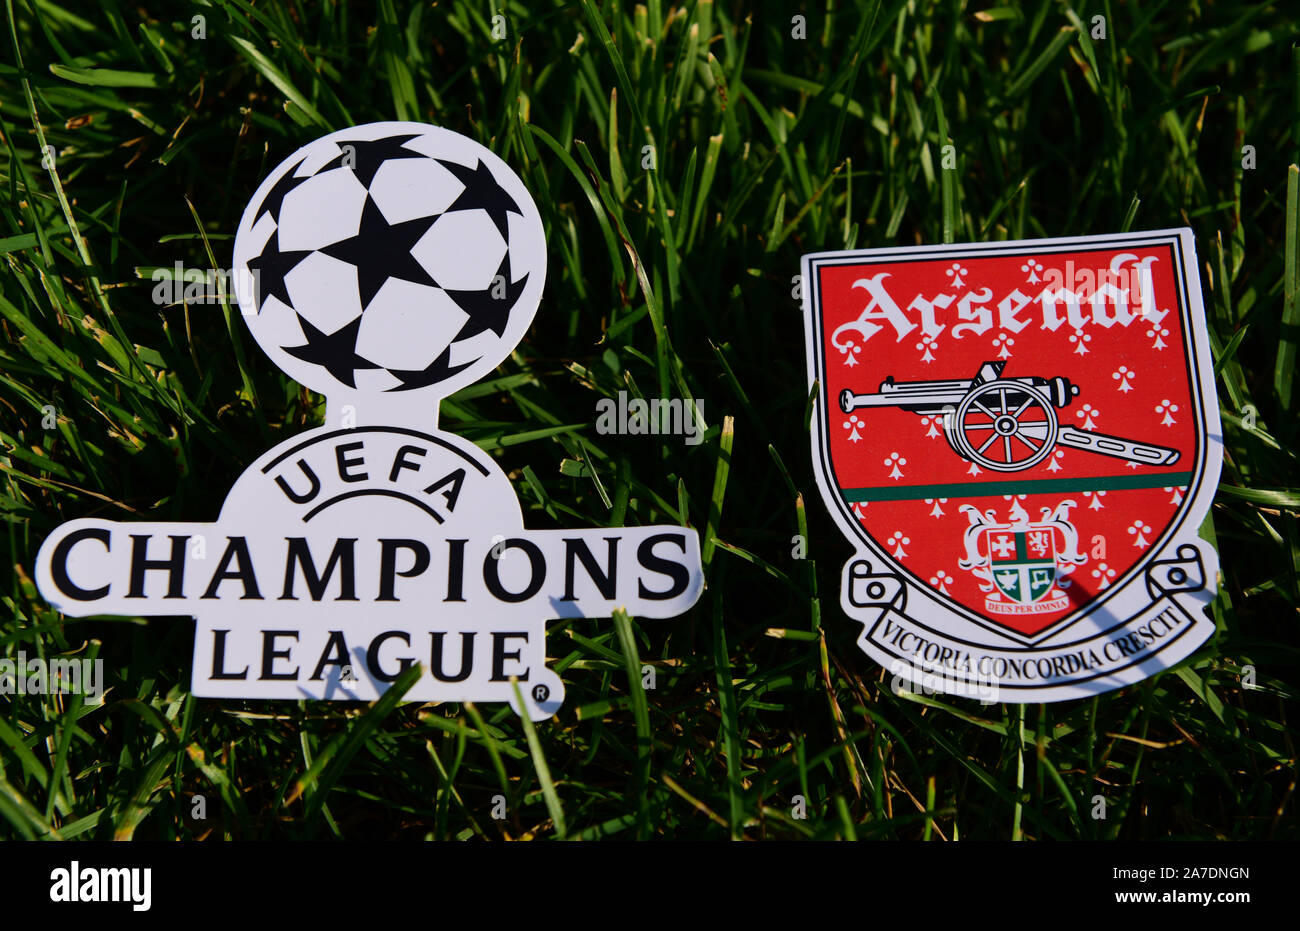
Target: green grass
{"x":674,"y":281}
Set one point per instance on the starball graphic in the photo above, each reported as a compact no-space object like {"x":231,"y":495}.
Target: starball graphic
{"x":385,"y":266}
{"x":1022,"y":439}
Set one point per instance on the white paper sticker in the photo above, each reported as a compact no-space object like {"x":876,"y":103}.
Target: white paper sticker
{"x":384,"y":266}
{"x":1021,"y":440}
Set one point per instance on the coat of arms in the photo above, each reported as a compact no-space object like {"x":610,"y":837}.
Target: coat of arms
{"x":1021,"y":439}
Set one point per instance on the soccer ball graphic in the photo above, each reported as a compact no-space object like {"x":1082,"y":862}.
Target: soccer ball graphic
{"x":390,"y":259}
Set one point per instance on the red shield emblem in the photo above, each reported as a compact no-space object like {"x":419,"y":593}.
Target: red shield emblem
{"x":1021,"y":438}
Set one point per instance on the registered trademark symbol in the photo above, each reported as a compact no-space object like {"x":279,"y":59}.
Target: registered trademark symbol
{"x":541,"y":693}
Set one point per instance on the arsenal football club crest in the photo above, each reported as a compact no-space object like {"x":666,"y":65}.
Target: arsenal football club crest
{"x":1021,"y":439}
{"x":385,"y":266}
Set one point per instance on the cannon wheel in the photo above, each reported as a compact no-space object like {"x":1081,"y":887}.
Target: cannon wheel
{"x":1004,"y":426}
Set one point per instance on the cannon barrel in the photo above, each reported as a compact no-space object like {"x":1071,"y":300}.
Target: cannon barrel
{"x":925,"y":397}
{"x":908,"y":396}
{"x":1003,"y":401}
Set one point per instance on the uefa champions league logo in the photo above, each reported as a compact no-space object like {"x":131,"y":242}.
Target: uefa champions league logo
{"x":390,"y":265}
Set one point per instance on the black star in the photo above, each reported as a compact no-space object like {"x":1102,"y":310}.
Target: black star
{"x":269,"y":270}
{"x":368,"y":155}
{"x":482,"y":192}
{"x":438,"y":370}
{"x":336,"y":352}
{"x":381,"y":250}
{"x":274,"y":198}
{"x":489,"y":309}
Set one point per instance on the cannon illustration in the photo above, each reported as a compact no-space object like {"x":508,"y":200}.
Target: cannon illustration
{"x":1003,"y":424}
